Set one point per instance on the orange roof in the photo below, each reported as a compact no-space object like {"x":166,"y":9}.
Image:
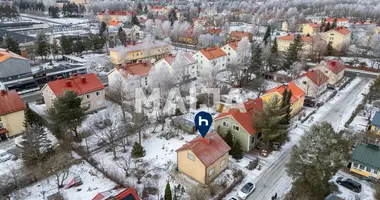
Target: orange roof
{"x":214,"y":31}
{"x":233,"y":45}
{"x":138,"y":69}
{"x":157,"y":7}
{"x":296,"y":91}
{"x":316,"y":76}
{"x":113,"y":23}
{"x":314,"y":25}
{"x":245,"y":119}
{"x":290,"y":37}
{"x":118,"y":12}
{"x":331,"y":20}
{"x":213,"y":52}
{"x":341,"y":30}
{"x":5,"y":54}
{"x":10,"y":102}
{"x":240,"y":34}
{"x":208,"y":149}
{"x":82,"y":84}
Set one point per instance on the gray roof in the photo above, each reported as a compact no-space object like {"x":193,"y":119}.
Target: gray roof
{"x":17,"y":36}
{"x":376,"y":119}
{"x":14,"y":66}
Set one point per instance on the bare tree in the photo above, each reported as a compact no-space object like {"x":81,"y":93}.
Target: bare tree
{"x":198,"y":193}
{"x":125,"y":165}
{"x":59,"y":165}
{"x":141,"y":170}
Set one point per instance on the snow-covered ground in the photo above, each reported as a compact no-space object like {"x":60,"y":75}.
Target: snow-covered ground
{"x":63,"y":20}
{"x":93,"y":183}
{"x":365,"y":194}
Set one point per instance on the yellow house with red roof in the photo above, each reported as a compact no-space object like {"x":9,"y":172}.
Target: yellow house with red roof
{"x":311,"y":28}
{"x":11,"y":114}
{"x":239,"y":120}
{"x":203,"y":159}
{"x":297,"y":99}
{"x":339,"y":37}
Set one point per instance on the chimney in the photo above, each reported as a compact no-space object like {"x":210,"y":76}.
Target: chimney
{"x":59,"y":78}
{"x":83,"y":79}
{"x":68,"y":83}
{"x":3,"y":92}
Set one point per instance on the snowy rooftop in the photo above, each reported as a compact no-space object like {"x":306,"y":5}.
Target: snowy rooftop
{"x":139,"y":46}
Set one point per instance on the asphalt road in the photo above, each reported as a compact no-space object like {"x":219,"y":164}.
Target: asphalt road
{"x":275,"y":179}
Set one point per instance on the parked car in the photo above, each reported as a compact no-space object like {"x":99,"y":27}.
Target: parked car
{"x":4,"y":156}
{"x":233,"y":198}
{"x":246,"y":190}
{"x":350,"y":184}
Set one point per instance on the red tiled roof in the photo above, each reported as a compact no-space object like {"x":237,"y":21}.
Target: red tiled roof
{"x":290,"y":37}
{"x":157,"y":7}
{"x":118,"y":12}
{"x":113,"y":23}
{"x":82,"y":84}
{"x":335,"y":66}
{"x":3,"y":130}
{"x":208,"y":149}
{"x":213,"y":52}
{"x":5,"y":54}
{"x":233,"y":45}
{"x":314,"y":25}
{"x":296,"y":91}
{"x":341,"y":30}
{"x":139,"y":69}
{"x":240,"y":34}
{"x":10,"y":102}
{"x":214,"y":31}
{"x":245,"y":119}
{"x":331,"y":20}
{"x":118,"y":194}
{"x":316,"y":76}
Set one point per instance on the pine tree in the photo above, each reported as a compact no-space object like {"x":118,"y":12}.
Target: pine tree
{"x":103,"y":28}
{"x":122,"y":36}
{"x":42,"y":45}
{"x":11,"y":44}
{"x":54,"y":47}
{"x":229,"y":138}
{"x":256,"y":61}
{"x":79,"y":46}
{"x":267,"y":35}
{"x":137,"y":151}
{"x":31,"y":118}
{"x":330,"y":49}
{"x":67,"y":44}
{"x":292,"y":53}
{"x":272,"y":60}
{"x":334,"y":24}
{"x":168,"y":192}
{"x":236,"y":151}
{"x":67,"y":112}
{"x":146,"y":9}
{"x":274,"y":48}
{"x":172,"y":16}
{"x":328,"y":26}
{"x":139,"y":7}
{"x":135,"y":20}
{"x":286,"y":104}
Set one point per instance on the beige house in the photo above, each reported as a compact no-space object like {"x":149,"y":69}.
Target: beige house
{"x":339,"y":38}
{"x":11,"y":114}
{"x":312,"y":45}
{"x":231,"y":50}
{"x":313,"y":83}
{"x":203,"y":159}
{"x":332,"y":69}
{"x":240,"y":121}
{"x":88,"y":87}
{"x":311,"y":29}
{"x":115,"y":15}
{"x":139,"y":71}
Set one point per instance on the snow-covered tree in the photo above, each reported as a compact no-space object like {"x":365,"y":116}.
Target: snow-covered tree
{"x":166,"y":26}
{"x":296,"y":69}
{"x":244,"y":50}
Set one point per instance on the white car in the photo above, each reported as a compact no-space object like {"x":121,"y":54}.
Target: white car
{"x":246,"y":190}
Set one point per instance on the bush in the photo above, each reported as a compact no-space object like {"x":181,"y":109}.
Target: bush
{"x":253,"y":164}
{"x":236,"y":151}
{"x":137,"y":151}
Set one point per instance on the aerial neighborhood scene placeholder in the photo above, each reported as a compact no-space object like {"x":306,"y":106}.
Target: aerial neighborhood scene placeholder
{"x":190,"y":100}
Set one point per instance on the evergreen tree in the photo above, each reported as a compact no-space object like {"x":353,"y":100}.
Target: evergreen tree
{"x":267,"y":35}
{"x":256,"y":61}
{"x":42,"y":44}
{"x":286,"y":104}
{"x":272,"y":61}
{"x":318,"y":156}
{"x":139,"y":7}
{"x":79,"y":46}
{"x":67,"y":45}
{"x":122,"y":36}
{"x":328,"y":26}
{"x":292,"y":53}
{"x":229,"y":138}
{"x":236,"y":151}
{"x":135,"y":20}
{"x":31,"y":118}
{"x":330,"y":49}
{"x":146,"y":9}
{"x":137,"y":151}
{"x":54,"y":47}
{"x":67,"y":112}
{"x":172,"y":16}
{"x":11,"y":44}
{"x":168,"y":192}
{"x":103,"y":28}
{"x":334,"y":24}
{"x":269,"y":123}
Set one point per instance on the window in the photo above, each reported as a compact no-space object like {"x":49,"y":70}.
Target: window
{"x":361,"y":167}
{"x":236,"y":128}
{"x":225,"y":124}
{"x":228,"y":59}
{"x":211,"y":172}
{"x":375,"y":172}
{"x":222,"y":163}
{"x":304,"y":82}
{"x":253,"y":139}
{"x":97,"y":93}
{"x":89,"y":105}
{"x":88,"y":96}
{"x":368,"y":169}
{"x":192,"y":67}
{"x":190,"y":156}
{"x":355,"y":165}
{"x":229,"y":48}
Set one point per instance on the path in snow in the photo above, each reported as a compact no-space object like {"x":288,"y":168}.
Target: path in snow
{"x":275,"y":179}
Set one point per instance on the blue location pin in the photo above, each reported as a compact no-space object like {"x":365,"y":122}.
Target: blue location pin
{"x":203,"y":121}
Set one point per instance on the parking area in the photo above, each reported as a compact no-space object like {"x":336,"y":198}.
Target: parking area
{"x":367,"y":190}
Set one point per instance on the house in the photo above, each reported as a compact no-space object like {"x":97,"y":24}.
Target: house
{"x":159,"y":9}
{"x":87,"y":86}
{"x":11,"y":114}
{"x":238,"y":35}
{"x":187,"y":60}
{"x":24,"y":41}
{"x":199,"y":21}
{"x":365,"y":160}
{"x":311,"y":29}
{"x":13,"y":68}
{"x":214,"y":31}
{"x":316,"y":19}
{"x":79,"y":2}
{"x":185,"y":124}
{"x":113,"y":26}
{"x":115,"y":15}
{"x":210,"y":59}
{"x":134,"y":32}
{"x":361,"y":30}
{"x":309,"y":42}
{"x":188,"y":37}
{"x":118,"y":194}
{"x":240,"y":122}
{"x":203,"y":159}
{"x":375,"y":123}
{"x":140,"y":69}
{"x":313,"y":83}
{"x":150,"y":51}
{"x":297,"y":99}
{"x":231,"y":50}
{"x":339,"y":37}
{"x":332,"y":69}
{"x":339,"y":21}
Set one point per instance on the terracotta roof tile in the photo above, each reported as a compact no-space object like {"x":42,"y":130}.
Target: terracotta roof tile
{"x":213,"y":52}
{"x":331,"y":20}
{"x":138,"y":69}
{"x":240,"y":34}
{"x":82,"y":84}
{"x":296,"y":91}
{"x":233,"y":45}
{"x":335,"y":66}
{"x":10,"y":102}
{"x":113,"y":23}
{"x":121,"y":193}
{"x":341,"y":30}
{"x":245,"y":119}
{"x":214,"y":31}
{"x":314,"y":25}
{"x":316,"y":76}
{"x":5,"y":54}
{"x":290,"y":37}
{"x":208,"y":149}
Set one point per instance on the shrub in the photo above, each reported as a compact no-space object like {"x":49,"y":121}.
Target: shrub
{"x":137,"y":151}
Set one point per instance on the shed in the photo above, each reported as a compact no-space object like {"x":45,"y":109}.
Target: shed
{"x":184,"y":124}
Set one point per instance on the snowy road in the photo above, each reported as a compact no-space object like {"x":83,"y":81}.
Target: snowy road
{"x":274,"y":179}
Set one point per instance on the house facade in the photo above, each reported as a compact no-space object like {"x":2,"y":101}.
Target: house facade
{"x":236,"y":36}
{"x":211,"y":58}
{"x":365,"y":160}
{"x":115,"y":15}
{"x":332,"y":69}
{"x":311,"y":29}
{"x":187,"y":60}
{"x":88,"y":87}
{"x":149,"y":51}
{"x":11,"y":114}
{"x":297,"y":99}
{"x":203,"y":159}
{"x":338,"y":37}
{"x":375,"y":123}
{"x":231,"y":50}
{"x":310,"y":43}
{"x":122,"y":73}
{"x":339,"y":21}
{"x":313,"y":83}
{"x":240,"y":121}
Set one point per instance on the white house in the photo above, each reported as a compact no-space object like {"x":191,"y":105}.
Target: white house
{"x":313,"y":83}
{"x":133,"y":32}
{"x":332,"y":69}
{"x":186,"y":59}
{"x":211,"y":58}
{"x":231,"y":50}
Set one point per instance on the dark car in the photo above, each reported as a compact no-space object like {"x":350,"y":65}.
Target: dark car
{"x":350,"y":184}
